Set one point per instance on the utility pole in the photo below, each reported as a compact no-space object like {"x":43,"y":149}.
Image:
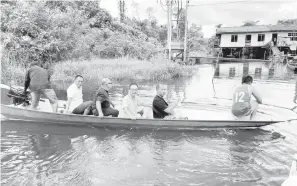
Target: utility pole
{"x":122,"y":7}
{"x":186,"y":30}
{"x":177,"y":21}
{"x":169,"y":25}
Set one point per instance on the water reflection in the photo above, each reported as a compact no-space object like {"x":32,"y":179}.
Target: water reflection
{"x":258,"y":69}
{"x":85,"y":156}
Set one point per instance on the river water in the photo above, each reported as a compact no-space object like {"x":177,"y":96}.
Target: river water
{"x":36,"y":154}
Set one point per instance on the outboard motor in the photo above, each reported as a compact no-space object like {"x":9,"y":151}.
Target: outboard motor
{"x":18,"y":96}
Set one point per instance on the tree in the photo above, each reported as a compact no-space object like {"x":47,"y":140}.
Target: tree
{"x":250,"y":23}
{"x":196,"y":42}
{"x":150,"y":12}
{"x":135,"y":5}
{"x":287,"y":22}
{"x":219,"y":25}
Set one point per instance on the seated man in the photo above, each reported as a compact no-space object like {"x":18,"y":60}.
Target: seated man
{"x":161,"y":109}
{"x":102,"y":100}
{"x":132,"y":105}
{"x":242,"y":106}
{"x":75,"y":104}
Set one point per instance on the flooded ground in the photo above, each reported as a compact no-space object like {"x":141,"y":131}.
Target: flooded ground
{"x":34,"y":154}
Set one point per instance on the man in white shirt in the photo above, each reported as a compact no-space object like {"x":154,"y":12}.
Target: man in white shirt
{"x":74,"y":94}
{"x":132,"y":105}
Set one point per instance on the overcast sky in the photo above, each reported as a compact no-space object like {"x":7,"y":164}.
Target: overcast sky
{"x":212,"y":12}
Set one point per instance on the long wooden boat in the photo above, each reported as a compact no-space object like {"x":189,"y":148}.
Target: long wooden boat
{"x":41,"y":117}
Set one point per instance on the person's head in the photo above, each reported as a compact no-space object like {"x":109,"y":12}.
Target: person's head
{"x":106,"y":84}
{"x":34,"y":63}
{"x":247,"y":79}
{"x":45,"y":65}
{"x":78,"y":80}
{"x":133,"y":89}
{"x":161,"y":90}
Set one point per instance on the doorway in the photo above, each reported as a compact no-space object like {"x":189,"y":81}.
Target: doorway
{"x":274,"y":39}
{"x":248,"y":39}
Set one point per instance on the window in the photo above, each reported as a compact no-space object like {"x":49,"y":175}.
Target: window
{"x":292,"y":34}
{"x":234,"y":38}
{"x":261,"y":37}
{"x":293,"y":38}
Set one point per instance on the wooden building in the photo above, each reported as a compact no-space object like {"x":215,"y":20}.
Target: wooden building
{"x":256,"y":42}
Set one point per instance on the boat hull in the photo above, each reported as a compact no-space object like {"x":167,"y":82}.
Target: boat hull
{"x":11,"y":112}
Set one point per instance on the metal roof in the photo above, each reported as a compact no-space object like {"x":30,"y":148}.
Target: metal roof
{"x":257,"y":29}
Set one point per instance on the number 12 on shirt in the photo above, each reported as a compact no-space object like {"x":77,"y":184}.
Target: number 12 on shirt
{"x":239,"y":97}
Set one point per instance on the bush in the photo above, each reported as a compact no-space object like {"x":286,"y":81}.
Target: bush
{"x":59,"y":30}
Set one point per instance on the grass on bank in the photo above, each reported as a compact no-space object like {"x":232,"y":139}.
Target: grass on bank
{"x":96,"y":69}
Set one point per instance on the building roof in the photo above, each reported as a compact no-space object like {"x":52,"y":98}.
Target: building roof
{"x":257,"y":29}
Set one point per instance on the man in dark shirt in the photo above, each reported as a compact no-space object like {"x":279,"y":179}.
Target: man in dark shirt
{"x":161,"y":109}
{"x":38,"y":80}
{"x":103,"y":102}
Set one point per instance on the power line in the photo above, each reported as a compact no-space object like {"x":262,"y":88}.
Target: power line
{"x":243,"y":1}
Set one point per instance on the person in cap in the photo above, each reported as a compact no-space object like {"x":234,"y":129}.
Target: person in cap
{"x":243,"y":106}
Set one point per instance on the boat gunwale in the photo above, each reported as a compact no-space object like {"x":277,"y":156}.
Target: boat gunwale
{"x":73,"y":116}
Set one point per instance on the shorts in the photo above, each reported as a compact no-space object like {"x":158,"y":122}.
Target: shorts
{"x":48,"y":93}
{"x":245,"y":110}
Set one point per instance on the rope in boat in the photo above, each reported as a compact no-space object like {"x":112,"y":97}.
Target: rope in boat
{"x":213,"y":87}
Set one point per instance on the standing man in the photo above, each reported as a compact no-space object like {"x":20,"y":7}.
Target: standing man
{"x":242,"y":105}
{"x":38,"y":80}
{"x":102,"y":100}
{"x":132,"y":105}
{"x":161,"y":109}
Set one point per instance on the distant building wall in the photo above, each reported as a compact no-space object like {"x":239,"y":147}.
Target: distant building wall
{"x":226,"y":40}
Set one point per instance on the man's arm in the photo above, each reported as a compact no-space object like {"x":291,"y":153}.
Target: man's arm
{"x":68,"y":103}
{"x":27,"y":81}
{"x":256,"y":94}
{"x":99,"y":99}
{"x":172,"y":106}
{"x":70,"y":95}
{"x":168,"y":109}
{"x":141,"y":103}
{"x":112,"y":104}
{"x":99,"y":109}
{"x":127,"y":110}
